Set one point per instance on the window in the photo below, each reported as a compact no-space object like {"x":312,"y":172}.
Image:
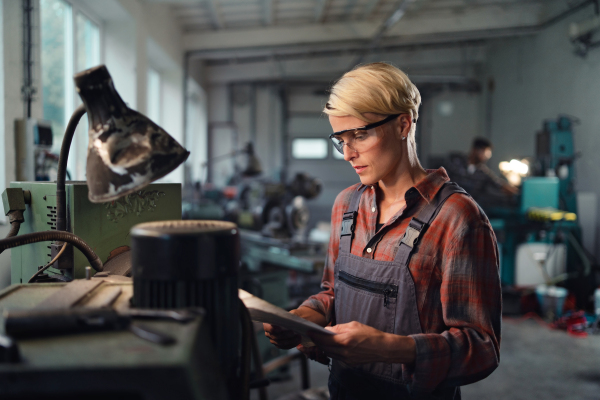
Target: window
{"x":154,"y":98}
{"x":309,"y":148}
{"x":70,"y":42}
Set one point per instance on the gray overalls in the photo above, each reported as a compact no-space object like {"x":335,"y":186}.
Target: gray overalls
{"x":380,"y":294}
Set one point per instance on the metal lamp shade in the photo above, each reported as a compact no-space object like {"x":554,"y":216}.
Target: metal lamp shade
{"x":126,"y":150}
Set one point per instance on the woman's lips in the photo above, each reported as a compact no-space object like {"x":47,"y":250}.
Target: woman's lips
{"x":360,"y":169}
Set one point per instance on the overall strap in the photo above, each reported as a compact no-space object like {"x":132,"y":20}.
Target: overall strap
{"x":419,"y":224}
{"x":349,"y":221}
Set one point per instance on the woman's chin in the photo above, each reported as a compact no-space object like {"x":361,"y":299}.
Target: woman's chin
{"x":367,"y":181}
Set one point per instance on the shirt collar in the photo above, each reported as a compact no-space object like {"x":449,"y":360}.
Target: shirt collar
{"x":428,"y":186}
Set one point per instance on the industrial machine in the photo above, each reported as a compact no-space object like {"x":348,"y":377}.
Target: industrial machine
{"x":174,"y":332}
{"x":73,"y":338}
{"x":541,"y":238}
{"x":277,"y":210}
{"x":555,"y":156}
{"x":104,"y":226}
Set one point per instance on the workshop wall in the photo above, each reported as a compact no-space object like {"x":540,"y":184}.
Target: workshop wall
{"x":539,"y":77}
{"x":440,"y":72}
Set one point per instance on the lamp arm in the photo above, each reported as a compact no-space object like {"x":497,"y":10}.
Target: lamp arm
{"x":61,"y":195}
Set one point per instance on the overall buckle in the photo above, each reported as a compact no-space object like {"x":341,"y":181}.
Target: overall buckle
{"x":348,"y":223}
{"x":411,"y":236}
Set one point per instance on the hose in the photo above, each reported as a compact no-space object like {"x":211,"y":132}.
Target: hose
{"x":61,"y":195}
{"x":14,"y":230}
{"x":47,"y":236}
{"x":45,"y":267}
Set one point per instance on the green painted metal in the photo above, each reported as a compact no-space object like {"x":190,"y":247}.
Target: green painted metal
{"x":104,"y":227}
{"x":540,"y":192}
{"x":13,"y":199}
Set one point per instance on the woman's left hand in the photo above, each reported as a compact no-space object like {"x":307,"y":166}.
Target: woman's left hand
{"x":356,"y":343}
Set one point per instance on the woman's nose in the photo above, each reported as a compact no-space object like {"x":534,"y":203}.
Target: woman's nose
{"x":349,"y":154}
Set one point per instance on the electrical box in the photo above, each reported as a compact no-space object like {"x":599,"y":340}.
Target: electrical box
{"x":33,"y":138}
{"x":104,"y":226}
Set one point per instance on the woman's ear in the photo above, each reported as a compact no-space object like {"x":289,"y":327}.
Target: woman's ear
{"x":403,"y":125}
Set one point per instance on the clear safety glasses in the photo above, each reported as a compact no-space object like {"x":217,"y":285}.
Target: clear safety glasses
{"x":359,"y":139}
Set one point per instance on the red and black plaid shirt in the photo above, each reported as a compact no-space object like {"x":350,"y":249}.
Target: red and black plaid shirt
{"x":456,"y":278}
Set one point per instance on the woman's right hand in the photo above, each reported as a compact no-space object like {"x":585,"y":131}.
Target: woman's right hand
{"x":285,"y":338}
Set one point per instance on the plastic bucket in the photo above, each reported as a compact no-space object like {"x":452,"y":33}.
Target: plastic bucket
{"x":551,"y":299}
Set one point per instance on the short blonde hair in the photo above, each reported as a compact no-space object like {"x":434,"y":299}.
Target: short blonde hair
{"x":378,"y":88}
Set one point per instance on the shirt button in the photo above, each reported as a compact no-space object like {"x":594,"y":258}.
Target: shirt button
{"x":373,"y":209}
{"x":369,"y":250}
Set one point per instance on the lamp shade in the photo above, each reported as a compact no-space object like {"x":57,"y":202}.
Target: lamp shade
{"x":126,"y":150}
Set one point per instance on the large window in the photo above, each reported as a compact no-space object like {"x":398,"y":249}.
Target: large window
{"x":70,"y":42}
{"x":154,"y":96}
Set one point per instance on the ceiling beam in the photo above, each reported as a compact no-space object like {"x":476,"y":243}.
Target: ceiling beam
{"x":268,"y":12}
{"x":320,"y":10}
{"x":350,"y":4}
{"x":387,"y":24}
{"x":370,"y":7}
{"x":216,"y":20}
{"x":475,"y":20}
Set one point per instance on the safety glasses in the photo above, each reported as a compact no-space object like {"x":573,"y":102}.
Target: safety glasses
{"x":358,"y":139}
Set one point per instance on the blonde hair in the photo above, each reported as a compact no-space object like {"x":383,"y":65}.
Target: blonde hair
{"x":378,"y":88}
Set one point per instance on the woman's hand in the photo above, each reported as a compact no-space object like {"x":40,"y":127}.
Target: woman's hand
{"x":356,"y":343}
{"x":285,"y":338}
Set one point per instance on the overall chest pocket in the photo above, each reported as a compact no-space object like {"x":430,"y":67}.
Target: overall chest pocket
{"x":368,"y":302}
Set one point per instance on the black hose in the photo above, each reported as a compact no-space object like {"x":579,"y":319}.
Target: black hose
{"x":14,"y":230}
{"x":61,"y":195}
{"x":47,"y":236}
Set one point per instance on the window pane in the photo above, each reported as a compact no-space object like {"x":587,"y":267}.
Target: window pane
{"x":87,"y":56}
{"x":56,"y":62}
{"x":309,"y":148}
{"x":88,"y":43}
{"x":154,"y":96}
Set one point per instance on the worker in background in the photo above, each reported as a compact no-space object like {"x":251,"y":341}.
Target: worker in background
{"x":411,"y":287}
{"x":472,"y":174}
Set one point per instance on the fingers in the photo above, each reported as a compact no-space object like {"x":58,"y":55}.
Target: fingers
{"x":280,"y":337}
{"x":314,"y":353}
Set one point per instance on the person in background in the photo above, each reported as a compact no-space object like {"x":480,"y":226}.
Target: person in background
{"x":472,"y":174}
{"x":411,"y":286}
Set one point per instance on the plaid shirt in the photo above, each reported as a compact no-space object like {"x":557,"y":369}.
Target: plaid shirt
{"x":456,"y":278}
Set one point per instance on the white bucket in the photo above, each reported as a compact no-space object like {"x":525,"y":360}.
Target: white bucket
{"x":551,"y":299}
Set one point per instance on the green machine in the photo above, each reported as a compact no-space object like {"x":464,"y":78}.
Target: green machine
{"x":104,"y":226}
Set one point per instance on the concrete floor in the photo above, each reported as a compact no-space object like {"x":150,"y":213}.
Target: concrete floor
{"x":536,"y":363}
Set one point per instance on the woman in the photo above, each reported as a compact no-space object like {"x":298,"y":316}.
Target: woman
{"x":411,"y":285}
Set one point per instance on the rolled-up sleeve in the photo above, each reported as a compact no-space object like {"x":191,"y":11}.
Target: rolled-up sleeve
{"x":323,"y":302}
{"x":469,"y":349}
